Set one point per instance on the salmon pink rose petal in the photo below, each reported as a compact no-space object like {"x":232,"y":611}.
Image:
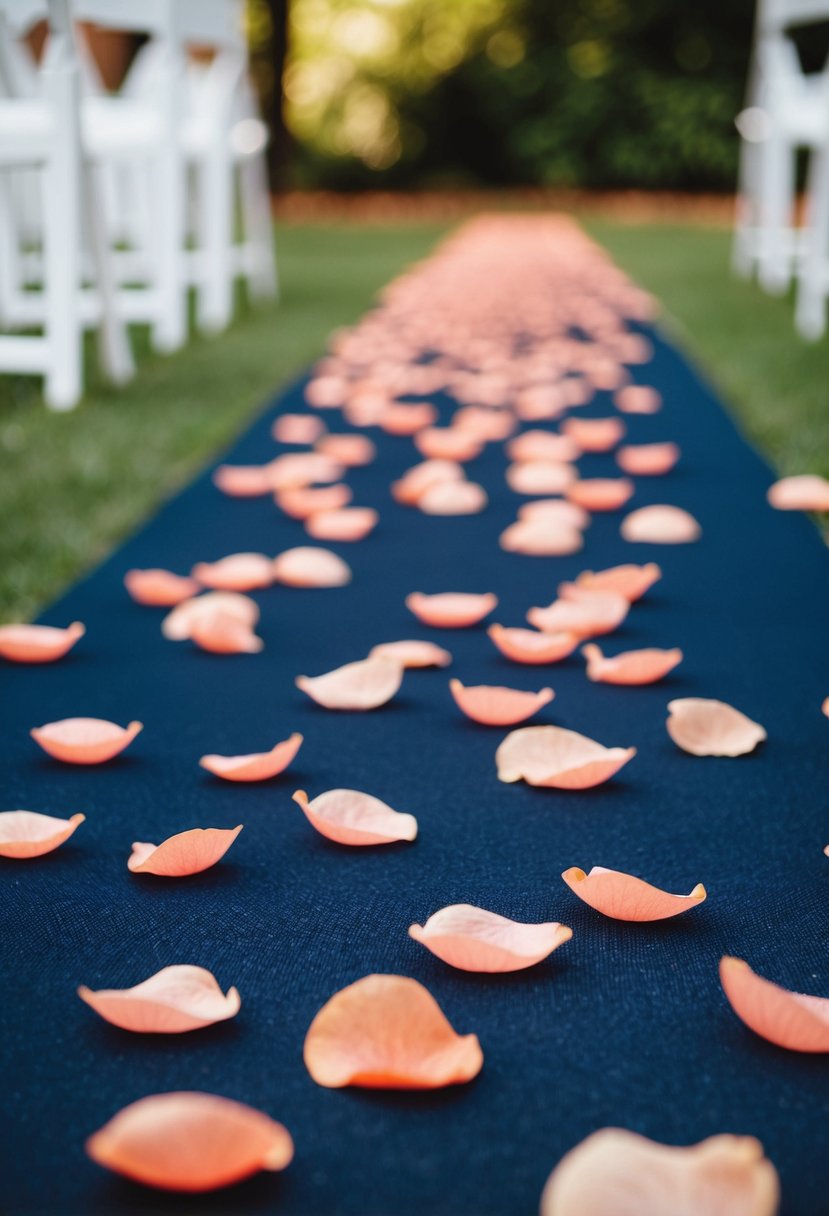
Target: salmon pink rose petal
{"x":223,"y":633}
{"x":407,"y":417}
{"x":451,"y":609}
{"x":297,"y":469}
{"x":531,"y":645}
{"x":183,"y":854}
{"x":414,"y":483}
{"x":788,"y":1019}
{"x":366,"y":684}
{"x":473,"y":939}
{"x":307,"y":566}
{"x":84,"y":740}
{"x":543,"y":445}
{"x":630,"y":581}
{"x":298,"y":428}
{"x":346,"y":524}
{"x":660,"y":525}
{"x":594,"y":434}
{"x":540,"y":477}
{"x":25,"y":834}
{"x":453,"y":498}
{"x":353,"y":818}
{"x":623,"y":897}
{"x":238,"y":572}
{"x":638,"y":399}
{"x":600,"y":493}
{"x":647,"y":459}
{"x":159,"y":588}
{"x":350,"y":450}
{"x":555,"y":511}
{"x":492,"y":706}
{"x":618,"y":1173}
{"x":179,"y":624}
{"x":413,"y":653}
{"x":553,"y":756}
{"x":825,"y":707}
{"x":243,"y":481}
{"x":540,"y":538}
{"x":388,"y":1032}
{"x":712,"y":728}
{"x":257,"y":766}
{"x":594,"y":613}
{"x":631,"y":667}
{"x":174,"y":1000}
{"x":446,"y":443}
{"x":38,"y":643}
{"x":805,"y":492}
{"x":304,"y":501}
{"x":190,"y":1142}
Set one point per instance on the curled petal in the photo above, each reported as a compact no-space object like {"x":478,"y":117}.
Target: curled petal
{"x":473,"y":939}
{"x":179,"y":624}
{"x":630,"y":581}
{"x":660,"y":525}
{"x":388,"y":1032}
{"x":350,"y":450}
{"x":258,"y":766}
{"x":623,"y":897}
{"x":451,"y":609}
{"x":38,"y":643}
{"x":159,"y":588}
{"x":416,"y":481}
{"x":540,"y":538}
{"x":366,"y":684}
{"x":297,"y":469}
{"x":190,"y":1142}
{"x":594,"y":434}
{"x":297,"y":428}
{"x":638,"y":399}
{"x":414,"y":653}
{"x":304,"y":501}
{"x":594,"y":613}
{"x":532,"y":646}
{"x":540,"y":477}
{"x":224,"y":633}
{"x":353,"y":818}
{"x":238,"y":572}
{"x":346,"y":524}
{"x":84,"y":740}
{"x":494,"y":706}
{"x":407,"y":417}
{"x":490,"y":425}
{"x":543,"y":445}
{"x":172,"y":1001}
{"x":326,"y":392}
{"x":618,"y":1172}
{"x":647,"y":459}
{"x":805,"y":492}
{"x":307,"y":566}
{"x":555,"y":511}
{"x":788,"y":1019}
{"x":600,"y":493}
{"x":712,"y":728}
{"x":454,"y":498}
{"x":25,"y":834}
{"x":243,"y":481}
{"x":447,"y":443}
{"x":553,"y":756}
{"x":631,"y":667}
{"x":183,"y":854}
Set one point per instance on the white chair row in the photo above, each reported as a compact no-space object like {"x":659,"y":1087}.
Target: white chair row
{"x":113,"y":207}
{"x":787,"y":113}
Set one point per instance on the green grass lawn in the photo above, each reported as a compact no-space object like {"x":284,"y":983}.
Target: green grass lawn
{"x":72,"y":485}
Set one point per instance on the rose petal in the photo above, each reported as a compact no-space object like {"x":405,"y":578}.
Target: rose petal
{"x":257,"y":766}
{"x":594,"y":434}
{"x":421,"y":477}
{"x":346,"y":524}
{"x":788,"y":1019}
{"x":353,"y":818}
{"x":388,"y":1032}
{"x":555,"y":511}
{"x":630,"y":581}
{"x":237,"y":572}
{"x":540,"y":538}
{"x":451,"y":609}
{"x":631,"y":667}
{"x":660,"y":525}
{"x":712,"y":728}
{"x":414,"y":653}
{"x":307,"y":566}
{"x":453,"y":498}
{"x":473,"y":939}
{"x":540,"y":477}
{"x":805,"y":492}
{"x":647,"y":459}
{"x":159,"y":588}
{"x":623,"y":897}
{"x":84,"y":740}
{"x":38,"y":643}
{"x":493,"y":706}
{"x":407,"y":417}
{"x":366,"y":684}
{"x":638,"y":399}
{"x":297,"y":428}
{"x":594,"y":613}
{"x":302,"y":502}
{"x":553,"y":756}
{"x":223,"y":633}
{"x":183,"y":854}
{"x":190,"y":1142}
{"x":350,"y":450}
{"x":25,"y":834}
{"x":543,"y":445}
{"x":532,"y":646}
{"x":326,"y":392}
{"x":294,"y":470}
{"x":487,"y":424}
{"x":600,"y":493}
{"x":243,"y":481}
{"x":174,"y":1000}
{"x":446,"y":443}
{"x":617,"y":1172}
{"x":179,"y":624}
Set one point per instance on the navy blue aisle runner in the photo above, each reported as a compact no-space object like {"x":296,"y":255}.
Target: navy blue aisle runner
{"x":625,"y":1025}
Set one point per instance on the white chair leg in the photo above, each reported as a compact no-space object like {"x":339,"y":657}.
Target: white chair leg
{"x":114,"y":349}
{"x":810,"y":306}
{"x":776,"y":216}
{"x":216,"y":238}
{"x":743,"y":251}
{"x":260,"y":263}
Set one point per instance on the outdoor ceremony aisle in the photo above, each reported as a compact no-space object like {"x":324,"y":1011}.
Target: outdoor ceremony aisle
{"x":626,"y":1024}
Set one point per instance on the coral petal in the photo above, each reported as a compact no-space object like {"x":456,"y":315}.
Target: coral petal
{"x":413,"y":653}
{"x":647,"y":459}
{"x":555,"y":511}
{"x":190,"y":1142}
{"x":308,"y":566}
{"x":407,"y":417}
{"x":224,"y":633}
{"x":447,"y":443}
{"x":421,"y":477}
{"x":494,"y":706}
{"x":353,"y":818}
{"x":638,"y":399}
{"x":531,"y":645}
{"x":345,"y":524}
{"x":805,"y":492}
{"x":594,"y":434}
{"x":629,"y":580}
{"x":179,"y":624}
{"x":587,"y":614}
{"x":303,"y":501}
{"x":453,"y":498}
{"x":257,"y":766}
{"x":243,"y":481}
{"x":543,"y":445}
{"x":159,"y":588}
{"x":788,"y":1019}
{"x":631,"y":667}
{"x":183,"y":854}
{"x":451,"y":609}
{"x":540,"y":477}
{"x":297,"y":469}
{"x":473,"y":939}
{"x":366,"y":684}
{"x":660,"y":525}
{"x":238,"y":572}
{"x":600,"y":493}
{"x":624,"y":897}
{"x":298,"y":428}
{"x":38,"y":643}
{"x":25,"y":834}
{"x":174,"y":1000}
{"x":388,"y":1032}
{"x":350,"y":450}
{"x":553,"y":756}
{"x":84,"y":740}
{"x":712,"y":728}
{"x":540,"y":538}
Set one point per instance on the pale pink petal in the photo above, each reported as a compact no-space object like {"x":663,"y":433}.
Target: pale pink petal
{"x":407,"y":417}
{"x":446,"y":443}
{"x":825,"y":707}
{"x":493,"y":706}
{"x":238,"y":572}
{"x":453,"y":498}
{"x":555,"y":511}
{"x":631,"y":667}
{"x":594,"y":434}
{"x":174,"y":1000}
{"x":297,"y":428}
{"x":805,"y":492}
{"x":712,"y":728}
{"x":553,"y":756}
{"x":638,"y":399}
{"x":326,"y":392}
{"x":159,"y":588}
{"x":25,"y":834}
{"x":487,"y":424}
{"x":543,"y":445}
{"x":541,"y":538}
{"x":532,"y":646}
{"x":595,"y":613}
{"x":84,"y":740}
{"x":414,"y":653}
{"x":243,"y":481}
{"x":624,"y":897}
{"x":38,"y":643}
{"x":473,"y":939}
{"x":346,"y":524}
{"x":304,"y":501}
{"x":183,"y":854}
{"x":350,"y":450}
{"x":224,"y":633}
{"x":353,"y":818}
{"x":660,"y":525}
{"x":630,"y":581}
{"x":366,"y":684}
{"x":451,"y":609}
{"x":257,"y":766}
{"x":421,"y":477}
{"x":179,"y":624}
{"x":540,"y":477}
{"x":190,"y":1142}
{"x":295,"y":470}
{"x":647,"y":459}
{"x":307,"y":566}
{"x":600,"y":493}
{"x":788,"y":1019}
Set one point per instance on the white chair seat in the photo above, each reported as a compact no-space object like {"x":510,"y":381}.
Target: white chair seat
{"x":116,"y":127}
{"x":24,"y":126}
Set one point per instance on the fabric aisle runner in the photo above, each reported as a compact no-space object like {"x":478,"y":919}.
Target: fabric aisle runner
{"x":626,"y":1025}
